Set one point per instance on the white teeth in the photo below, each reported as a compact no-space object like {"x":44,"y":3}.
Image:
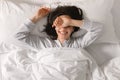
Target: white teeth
{"x":63,"y":32}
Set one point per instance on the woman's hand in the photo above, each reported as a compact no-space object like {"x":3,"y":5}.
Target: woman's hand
{"x":66,"y":21}
{"x":62,"y":21}
{"x":43,"y":11}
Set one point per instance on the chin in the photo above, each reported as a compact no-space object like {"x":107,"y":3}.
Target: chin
{"x":64,"y":38}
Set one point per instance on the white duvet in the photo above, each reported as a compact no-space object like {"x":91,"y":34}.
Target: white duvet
{"x":50,"y":64}
{"x":112,"y":69}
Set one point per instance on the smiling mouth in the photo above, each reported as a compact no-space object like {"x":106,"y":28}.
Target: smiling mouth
{"x":63,"y":33}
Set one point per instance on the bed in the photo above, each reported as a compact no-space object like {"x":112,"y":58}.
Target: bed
{"x":105,"y":50}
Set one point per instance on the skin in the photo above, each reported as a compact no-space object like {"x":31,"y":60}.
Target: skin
{"x":63,"y":24}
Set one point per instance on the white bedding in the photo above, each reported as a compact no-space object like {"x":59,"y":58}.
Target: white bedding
{"x":116,"y":17}
{"x":102,"y":51}
{"x":49,"y":64}
{"x":18,"y":63}
{"x":112,"y":69}
{"x":14,"y":12}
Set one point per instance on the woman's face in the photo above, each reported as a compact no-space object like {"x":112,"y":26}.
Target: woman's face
{"x":64,"y":33}
{"x":62,"y":27}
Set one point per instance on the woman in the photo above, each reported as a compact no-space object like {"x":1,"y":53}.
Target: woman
{"x":59,"y":56}
{"x":61,"y":24}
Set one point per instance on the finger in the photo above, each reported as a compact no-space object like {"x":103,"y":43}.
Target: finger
{"x":44,"y":9}
{"x":60,"y":21}
{"x":53,"y":25}
{"x":57,"y":22}
{"x":48,"y":9}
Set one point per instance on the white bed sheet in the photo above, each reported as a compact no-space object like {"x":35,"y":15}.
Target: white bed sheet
{"x":14,"y":12}
{"x":116,"y":17}
{"x":53,"y":63}
{"x":102,"y":52}
{"x":112,"y":69}
{"x":19,"y":10}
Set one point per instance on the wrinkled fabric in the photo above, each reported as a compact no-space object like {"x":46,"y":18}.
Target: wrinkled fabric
{"x":92,"y":29}
{"x":50,"y":64}
{"x":112,"y":69}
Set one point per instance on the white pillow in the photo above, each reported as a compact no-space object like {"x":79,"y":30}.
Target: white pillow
{"x":116,"y":17}
{"x":94,"y":10}
{"x":14,"y":12}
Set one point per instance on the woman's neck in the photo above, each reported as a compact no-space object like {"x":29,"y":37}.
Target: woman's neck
{"x":62,"y":40}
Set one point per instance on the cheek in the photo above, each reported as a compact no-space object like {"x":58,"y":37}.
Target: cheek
{"x":71,"y":30}
{"x":56,"y":29}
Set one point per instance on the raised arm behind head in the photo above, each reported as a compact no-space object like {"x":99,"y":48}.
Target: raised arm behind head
{"x":42,"y":12}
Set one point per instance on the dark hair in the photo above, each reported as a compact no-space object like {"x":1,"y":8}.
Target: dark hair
{"x":72,"y":11}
